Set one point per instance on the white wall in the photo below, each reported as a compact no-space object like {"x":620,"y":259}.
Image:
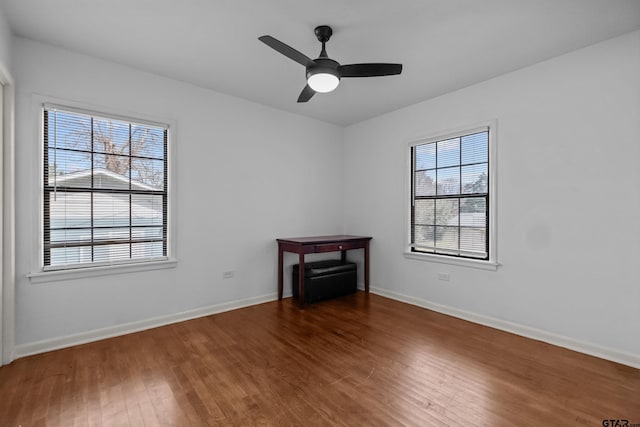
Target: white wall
{"x":5,"y":41}
{"x":6,"y":150}
{"x":246,"y":174}
{"x":568,"y":199}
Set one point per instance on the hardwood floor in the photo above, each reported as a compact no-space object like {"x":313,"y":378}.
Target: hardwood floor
{"x":358,"y":360}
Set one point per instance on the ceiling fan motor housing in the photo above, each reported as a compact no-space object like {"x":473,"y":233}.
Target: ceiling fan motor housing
{"x":323,"y":65}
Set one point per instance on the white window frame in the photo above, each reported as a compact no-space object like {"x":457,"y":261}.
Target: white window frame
{"x":492,"y":262}
{"x":40,"y":274}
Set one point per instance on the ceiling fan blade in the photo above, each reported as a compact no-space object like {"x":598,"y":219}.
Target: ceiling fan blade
{"x":286,"y":50}
{"x":369,"y":70}
{"x":306,"y":94}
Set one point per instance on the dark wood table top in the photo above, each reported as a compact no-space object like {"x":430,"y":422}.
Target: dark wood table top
{"x":322,"y":239}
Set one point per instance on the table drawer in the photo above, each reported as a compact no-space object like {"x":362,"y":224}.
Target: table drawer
{"x":332,"y":247}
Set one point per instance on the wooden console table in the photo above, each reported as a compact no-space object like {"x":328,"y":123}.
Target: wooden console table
{"x":318,"y":244}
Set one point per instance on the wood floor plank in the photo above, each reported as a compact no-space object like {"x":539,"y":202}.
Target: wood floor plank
{"x":358,"y":360}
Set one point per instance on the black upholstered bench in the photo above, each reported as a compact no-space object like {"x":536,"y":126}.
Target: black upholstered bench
{"x":326,"y":279}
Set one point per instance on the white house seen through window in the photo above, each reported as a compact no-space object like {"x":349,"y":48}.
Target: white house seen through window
{"x":450,"y":196}
{"x":105,"y":189}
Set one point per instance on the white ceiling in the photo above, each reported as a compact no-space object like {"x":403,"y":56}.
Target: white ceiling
{"x":444,"y":45}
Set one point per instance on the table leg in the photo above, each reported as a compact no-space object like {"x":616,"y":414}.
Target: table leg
{"x":366,"y":267}
{"x":343,"y":256}
{"x":301,"y":279}
{"x":279,"y":272}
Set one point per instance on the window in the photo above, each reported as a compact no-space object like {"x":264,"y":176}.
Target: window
{"x":105,"y":198}
{"x":451,"y":198}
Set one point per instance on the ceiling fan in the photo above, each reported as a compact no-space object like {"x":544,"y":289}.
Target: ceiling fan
{"x":323,"y":73}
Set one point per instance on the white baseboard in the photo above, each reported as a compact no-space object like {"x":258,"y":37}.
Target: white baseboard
{"x":128,"y":328}
{"x":613,"y":355}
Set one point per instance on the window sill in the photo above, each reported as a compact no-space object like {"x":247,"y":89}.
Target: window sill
{"x":463,"y":262}
{"x":80,"y":273}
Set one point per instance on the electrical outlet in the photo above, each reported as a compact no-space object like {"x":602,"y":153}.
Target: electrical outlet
{"x":444,"y":277}
{"x":227,"y":274}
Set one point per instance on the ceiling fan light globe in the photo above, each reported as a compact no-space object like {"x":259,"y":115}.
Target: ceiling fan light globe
{"x":323,"y":82}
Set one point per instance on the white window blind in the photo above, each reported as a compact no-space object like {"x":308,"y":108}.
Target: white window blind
{"x":105,"y":189}
{"x":450,"y":196}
